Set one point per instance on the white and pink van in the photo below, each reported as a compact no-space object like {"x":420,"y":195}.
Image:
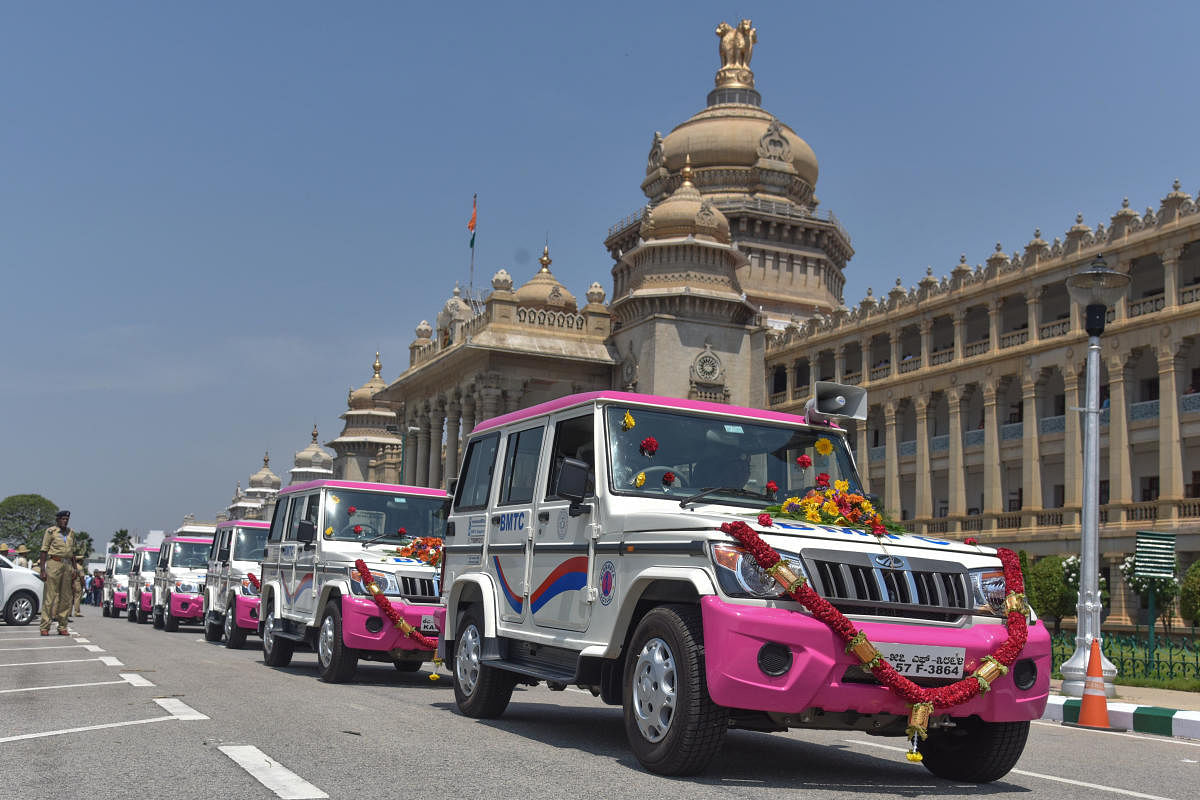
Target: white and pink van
{"x":312,"y":591}
{"x":140,"y":600}
{"x":179,"y":576}
{"x":231,"y":585}
{"x":116,"y":583}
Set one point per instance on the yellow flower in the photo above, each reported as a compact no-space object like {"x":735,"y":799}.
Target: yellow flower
{"x":830,"y":508}
{"x":333,"y":498}
{"x":867,"y":508}
{"x":842,"y":486}
{"x":328,"y":532}
{"x":829,"y":493}
{"x":823,"y":446}
{"x":640,"y":480}
{"x":627,"y":424}
{"x":813,"y":516}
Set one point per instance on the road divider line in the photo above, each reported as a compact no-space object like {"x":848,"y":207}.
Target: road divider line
{"x":111,"y":661}
{"x":60,"y":686}
{"x":108,"y":661}
{"x":1042,"y":776}
{"x":178,"y":709}
{"x":88,"y":647}
{"x":271,"y":774}
{"x":44,"y":734}
{"x":1143,"y":736}
{"x":133,"y":679}
{"x":80,"y":640}
{"x":93,"y":648}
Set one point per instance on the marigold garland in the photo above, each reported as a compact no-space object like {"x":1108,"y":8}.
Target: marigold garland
{"x":922,"y":699}
{"x":426,"y":549}
{"x":398,"y":621}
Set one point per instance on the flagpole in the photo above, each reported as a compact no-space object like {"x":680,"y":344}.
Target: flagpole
{"x":474,"y":215}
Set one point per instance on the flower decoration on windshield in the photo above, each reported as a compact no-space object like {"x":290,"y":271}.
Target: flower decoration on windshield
{"x":803,"y":461}
{"x":640,"y":480}
{"x":627,"y":422}
{"x":842,"y":486}
{"x":834,"y":507}
{"x":351,"y":509}
{"x":765,"y":520}
{"x":772,"y":487}
{"x":823,"y":480}
{"x":426,"y":549}
{"x":402,"y":531}
{"x":823,"y":446}
{"x":333,"y":498}
{"x":668,"y":478}
{"x":358,"y":528}
{"x":649,"y":446}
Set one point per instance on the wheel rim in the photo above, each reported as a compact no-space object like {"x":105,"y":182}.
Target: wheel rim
{"x":22,"y":610}
{"x":269,"y":631}
{"x":466,"y":660}
{"x":654,"y":690}
{"x":325,"y":641}
{"x":228,"y":622}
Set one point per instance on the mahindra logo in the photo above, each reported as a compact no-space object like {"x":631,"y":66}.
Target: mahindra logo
{"x":888,"y":562}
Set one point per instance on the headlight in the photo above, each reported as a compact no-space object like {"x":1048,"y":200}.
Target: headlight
{"x":987,"y":586}
{"x":187,"y":587}
{"x":386,"y":582}
{"x":248,"y":588}
{"x":740,"y":576}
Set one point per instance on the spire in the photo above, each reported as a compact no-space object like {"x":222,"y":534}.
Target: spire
{"x":545,"y":260}
{"x":686,"y":172}
{"x":314,"y":433}
{"x":377,"y":366}
{"x":266,"y":458}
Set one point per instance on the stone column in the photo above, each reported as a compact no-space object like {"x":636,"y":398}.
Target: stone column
{"x":839,"y":363}
{"x":894,"y":337}
{"x":469,"y":404}
{"x":862,"y":453}
{"x":993,"y":497}
{"x":891,"y":500}
{"x":926,"y":329}
{"x":490,"y":401}
{"x":924,"y":488}
{"x":960,"y":334}
{"x":993,"y":325}
{"x":790,"y":378}
{"x":1170,"y":262}
{"x":1119,"y":488}
{"x":957,"y":472}
{"x":1170,"y":461}
{"x":1122,"y":304}
{"x":1034,"y":300}
{"x":866,"y":361}
{"x":1072,"y":444}
{"x":422,"y":476}
{"x":1031,"y":470}
{"x":437,"y":421}
{"x":410,"y":454}
{"x":453,"y":416}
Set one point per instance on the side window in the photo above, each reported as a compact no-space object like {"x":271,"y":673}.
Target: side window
{"x":476,"y":482}
{"x":164,"y":555}
{"x":305,"y":509}
{"x":520,"y":466}
{"x":572,"y":439}
{"x":279,"y":520}
{"x":215,"y":547}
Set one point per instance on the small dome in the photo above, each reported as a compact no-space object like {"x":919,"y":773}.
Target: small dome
{"x":595,"y":293}
{"x":264,"y":478}
{"x":686,"y":213}
{"x":313,"y":455}
{"x":543,"y":289}
{"x":455,"y":310}
{"x":502,"y":281}
{"x":363,"y":396}
{"x":424,"y":330}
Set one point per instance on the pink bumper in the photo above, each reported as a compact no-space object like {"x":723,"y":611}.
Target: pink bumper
{"x":145,"y":602}
{"x":356,"y":612}
{"x":734,"y":634}
{"x":187,"y":606}
{"x":245,"y":612}
{"x":119,"y":600}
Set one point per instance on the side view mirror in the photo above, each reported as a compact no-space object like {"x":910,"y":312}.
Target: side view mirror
{"x":572,"y":483}
{"x":452,"y":486}
{"x":306,"y":532}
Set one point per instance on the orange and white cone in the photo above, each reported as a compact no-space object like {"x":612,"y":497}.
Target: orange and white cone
{"x":1093,"y":709}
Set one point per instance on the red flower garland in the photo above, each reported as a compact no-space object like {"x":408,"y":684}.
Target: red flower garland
{"x":253,"y":581}
{"x":668,"y":478}
{"x":823,"y":480}
{"x":940,"y":697}
{"x":351,"y":509}
{"x":803,"y":461}
{"x":649,"y":446}
{"x":772,"y":487}
{"x":385,"y":606}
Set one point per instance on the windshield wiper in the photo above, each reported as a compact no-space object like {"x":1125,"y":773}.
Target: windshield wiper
{"x":378,"y":538}
{"x":726,"y":489}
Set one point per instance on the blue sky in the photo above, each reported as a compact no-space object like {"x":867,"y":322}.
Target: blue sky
{"x":213,"y":214}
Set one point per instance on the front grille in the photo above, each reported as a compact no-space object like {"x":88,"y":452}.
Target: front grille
{"x":418,"y":588}
{"x":883,"y":585}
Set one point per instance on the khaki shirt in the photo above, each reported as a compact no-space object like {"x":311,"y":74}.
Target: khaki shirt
{"x":54,"y":543}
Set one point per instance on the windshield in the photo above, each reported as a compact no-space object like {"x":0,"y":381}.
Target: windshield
{"x":248,"y":544}
{"x":675,"y":454}
{"x":121,"y":566}
{"x":147,"y":561}
{"x":362,"y":516}
{"x":190,"y":555}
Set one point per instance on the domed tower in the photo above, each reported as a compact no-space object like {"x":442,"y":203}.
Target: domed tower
{"x":761,"y":175}
{"x":370,"y":424}
{"x":312,"y":463}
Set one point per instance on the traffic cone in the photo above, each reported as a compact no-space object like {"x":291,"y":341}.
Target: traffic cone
{"x":1093,"y":709}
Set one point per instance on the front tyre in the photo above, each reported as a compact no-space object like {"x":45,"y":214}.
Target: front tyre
{"x":673,"y":726}
{"x":20,"y":608}
{"x":336,"y":663}
{"x":974,"y":751}
{"x":212,"y":630}
{"x":277,"y":651}
{"x":170,"y":621}
{"x":235,"y":635}
{"x":480,"y":691}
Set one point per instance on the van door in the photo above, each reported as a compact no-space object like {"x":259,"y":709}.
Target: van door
{"x":222,"y":543}
{"x":304,"y":564}
{"x":511,"y":527}
{"x":562,"y":557}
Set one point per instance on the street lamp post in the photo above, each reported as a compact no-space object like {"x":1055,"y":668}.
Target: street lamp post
{"x":1095,"y":288}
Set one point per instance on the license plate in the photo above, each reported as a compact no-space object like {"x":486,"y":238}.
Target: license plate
{"x":924,"y":661}
{"x":428,"y":625}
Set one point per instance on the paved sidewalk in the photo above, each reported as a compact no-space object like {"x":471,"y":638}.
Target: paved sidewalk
{"x":1159,"y":711}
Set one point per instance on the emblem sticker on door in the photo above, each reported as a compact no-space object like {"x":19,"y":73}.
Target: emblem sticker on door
{"x":476,"y":528}
{"x":608,"y":582}
{"x":562,"y":524}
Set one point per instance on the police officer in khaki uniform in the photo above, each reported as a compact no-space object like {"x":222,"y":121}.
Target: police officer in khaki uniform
{"x":57,"y":570}
{"x":22,"y":556}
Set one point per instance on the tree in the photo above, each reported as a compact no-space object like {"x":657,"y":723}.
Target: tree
{"x":121,"y":542}
{"x":1048,"y":593}
{"x":24,"y":518}
{"x":1165,"y":589}
{"x":83,"y":544}
{"x":1189,"y":595}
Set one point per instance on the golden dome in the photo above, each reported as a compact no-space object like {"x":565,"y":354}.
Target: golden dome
{"x":733,"y":136}
{"x":363,"y":396}
{"x":686,"y":213}
{"x":544,"y":290}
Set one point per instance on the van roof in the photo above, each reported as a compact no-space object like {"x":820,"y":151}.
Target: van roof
{"x":243,"y":523}
{"x":121,"y":555}
{"x":649,"y":400}
{"x":393,"y":488}
{"x":196,"y":539}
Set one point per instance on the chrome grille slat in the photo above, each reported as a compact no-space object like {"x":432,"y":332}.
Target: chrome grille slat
{"x":906,"y":587}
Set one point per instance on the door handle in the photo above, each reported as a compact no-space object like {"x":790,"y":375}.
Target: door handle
{"x":543,"y":516}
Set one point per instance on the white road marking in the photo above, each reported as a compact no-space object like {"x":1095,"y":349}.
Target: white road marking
{"x":93,"y":648}
{"x":110,"y":661}
{"x":271,"y":774}
{"x":135,"y":679}
{"x":1055,"y":778}
{"x":84,"y":728}
{"x":80,"y":640}
{"x":1159,"y":739}
{"x":54,"y":647}
{"x":60,"y":686}
{"x":178,"y":708}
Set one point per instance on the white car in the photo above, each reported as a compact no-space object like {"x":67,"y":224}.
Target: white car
{"x":21,"y":591}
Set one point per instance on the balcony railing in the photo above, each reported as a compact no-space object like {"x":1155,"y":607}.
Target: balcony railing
{"x":1008,"y":522}
{"x":973,"y":438}
{"x":937,"y":526}
{"x":1146,"y":305}
{"x":1051,"y":518}
{"x":1012,"y":431}
{"x":1145,"y":410}
{"x":875,"y":454}
{"x":1189,"y":508}
{"x":911,"y":365}
{"x":1013,"y":339}
{"x":975,"y":348}
{"x":939,"y":444}
{"x":908,"y":448}
{"x":777,"y":398}
{"x":1189,"y":403}
{"x":1142,"y":512}
{"x":1060,"y":328}
{"x":852,"y":378}
{"x":801,"y":392}
{"x":971,"y":524}
{"x":941,"y":356}
{"x":1189,"y":294}
{"x":879,"y":373}
{"x":1052,"y":425}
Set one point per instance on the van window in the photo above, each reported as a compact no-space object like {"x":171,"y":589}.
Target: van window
{"x":520,"y":466}
{"x":572,"y":439}
{"x":475,"y":485}
{"x":306,"y":509}
{"x":164,"y":555}
{"x":279,"y":520}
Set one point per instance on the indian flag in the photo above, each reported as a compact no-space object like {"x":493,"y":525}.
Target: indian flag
{"x":471,"y":224}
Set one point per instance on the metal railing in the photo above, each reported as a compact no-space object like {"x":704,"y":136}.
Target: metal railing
{"x":1131,"y":655}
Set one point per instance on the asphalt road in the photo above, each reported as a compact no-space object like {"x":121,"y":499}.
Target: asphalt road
{"x":136,"y":712}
